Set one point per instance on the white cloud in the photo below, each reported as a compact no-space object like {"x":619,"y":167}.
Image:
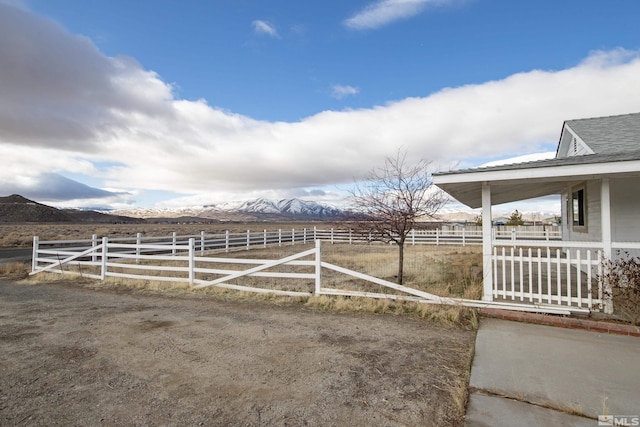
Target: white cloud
{"x":54,"y":187}
{"x":384,"y":12}
{"x":341,"y":91}
{"x":264,"y":28}
{"x":111,"y":120}
{"x":203,"y":148}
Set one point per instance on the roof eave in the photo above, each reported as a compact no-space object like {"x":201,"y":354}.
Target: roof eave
{"x":544,"y":173}
{"x":521,"y":184}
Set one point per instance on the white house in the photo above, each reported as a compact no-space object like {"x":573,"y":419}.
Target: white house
{"x":596,"y":171}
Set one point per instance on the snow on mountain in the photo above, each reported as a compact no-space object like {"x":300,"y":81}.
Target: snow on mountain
{"x":289,"y":207}
{"x":286,"y":208}
{"x":259,"y":206}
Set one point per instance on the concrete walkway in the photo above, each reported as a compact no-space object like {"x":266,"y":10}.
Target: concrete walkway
{"x":534,"y":375}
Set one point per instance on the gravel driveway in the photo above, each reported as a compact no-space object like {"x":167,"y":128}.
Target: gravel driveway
{"x":75,"y":354}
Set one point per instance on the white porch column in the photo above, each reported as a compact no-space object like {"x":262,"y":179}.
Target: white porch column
{"x":605,"y":214}
{"x":487,"y":244}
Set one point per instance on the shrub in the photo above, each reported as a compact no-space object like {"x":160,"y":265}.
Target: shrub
{"x":623,"y":277}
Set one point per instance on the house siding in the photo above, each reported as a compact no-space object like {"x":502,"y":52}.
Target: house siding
{"x":625,"y":212}
{"x":570,"y":145}
{"x":593,"y":230}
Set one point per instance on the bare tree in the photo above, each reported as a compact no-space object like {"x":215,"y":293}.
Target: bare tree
{"x":393,"y":198}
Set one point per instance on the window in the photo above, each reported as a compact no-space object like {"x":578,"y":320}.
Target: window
{"x":578,"y":208}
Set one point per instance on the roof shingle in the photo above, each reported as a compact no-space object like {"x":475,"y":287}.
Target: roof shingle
{"x":609,"y":135}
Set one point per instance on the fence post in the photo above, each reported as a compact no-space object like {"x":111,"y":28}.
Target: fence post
{"x":226,"y":241}
{"x":192,"y":247}
{"x":248,"y":238}
{"x":138,"y":243}
{"x":202,"y":242}
{"x":279,"y":236}
{"x":105,"y":244}
{"x":332,"y":235}
{"x":174,"y":240}
{"x":264,"y":239}
{"x":350,"y":237}
{"x":293,"y":236}
{"x":304,"y":236}
{"x":34,"y":255}
{"x":315,"y":232}
{"x":464,"y":240}
{"x":94,"y":243}
{"x":413,"y":237}
{"x":318,"y":266}
{"x":438,"y":237}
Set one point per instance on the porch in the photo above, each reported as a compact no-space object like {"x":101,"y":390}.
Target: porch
{"x":563,"y":273}
{"x":550,"y":273}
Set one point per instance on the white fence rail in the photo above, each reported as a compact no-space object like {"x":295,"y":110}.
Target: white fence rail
{"x":148,"y":261}
{"x":51,"y":252}
{"x":225,"y":242}
{"x":549,"y":273}
{"x":561,"y":273}
{"x":526,"y":276}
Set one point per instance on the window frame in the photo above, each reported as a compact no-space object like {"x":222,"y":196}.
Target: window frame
{"x":578,"y":201}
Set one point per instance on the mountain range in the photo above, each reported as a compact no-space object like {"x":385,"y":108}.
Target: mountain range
{"x":248,"y":210}
{"x":16,"y":209}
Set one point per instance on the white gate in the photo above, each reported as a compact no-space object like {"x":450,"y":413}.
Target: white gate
{"x":137,"y":261}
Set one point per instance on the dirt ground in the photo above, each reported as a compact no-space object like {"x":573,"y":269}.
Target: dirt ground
{"x":74,"y":354}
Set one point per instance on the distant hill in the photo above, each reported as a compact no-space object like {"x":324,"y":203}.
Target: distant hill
{"x":18,"y":209}
{"x":100,"y":217}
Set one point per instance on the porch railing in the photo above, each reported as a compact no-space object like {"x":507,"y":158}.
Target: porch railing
{"x":557,"y":273}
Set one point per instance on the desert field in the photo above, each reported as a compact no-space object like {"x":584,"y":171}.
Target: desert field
{"x":21,"y":235}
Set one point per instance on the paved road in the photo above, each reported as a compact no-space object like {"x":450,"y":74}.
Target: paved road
{"x":15,"y":254}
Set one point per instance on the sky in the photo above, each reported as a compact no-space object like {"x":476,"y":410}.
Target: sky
{"x":166,"y":103}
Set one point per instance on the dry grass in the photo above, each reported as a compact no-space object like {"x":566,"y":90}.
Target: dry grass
{"x":456,"y":316}
{"x":21,"y":235}
{"x":448,"y":271}
{"x":458,"y":388}
{"x":14,"y":270}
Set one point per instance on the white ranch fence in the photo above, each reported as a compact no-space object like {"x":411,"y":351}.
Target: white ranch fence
{"x":51,"y":252}
{"x":188,"y":259}
{"x":563,"y":273}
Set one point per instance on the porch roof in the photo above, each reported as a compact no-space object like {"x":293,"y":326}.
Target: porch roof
{"x":523,"y":181}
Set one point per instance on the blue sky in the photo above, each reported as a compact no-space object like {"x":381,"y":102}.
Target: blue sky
{"x":213,"y":49}
{"x":193,"y":102}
